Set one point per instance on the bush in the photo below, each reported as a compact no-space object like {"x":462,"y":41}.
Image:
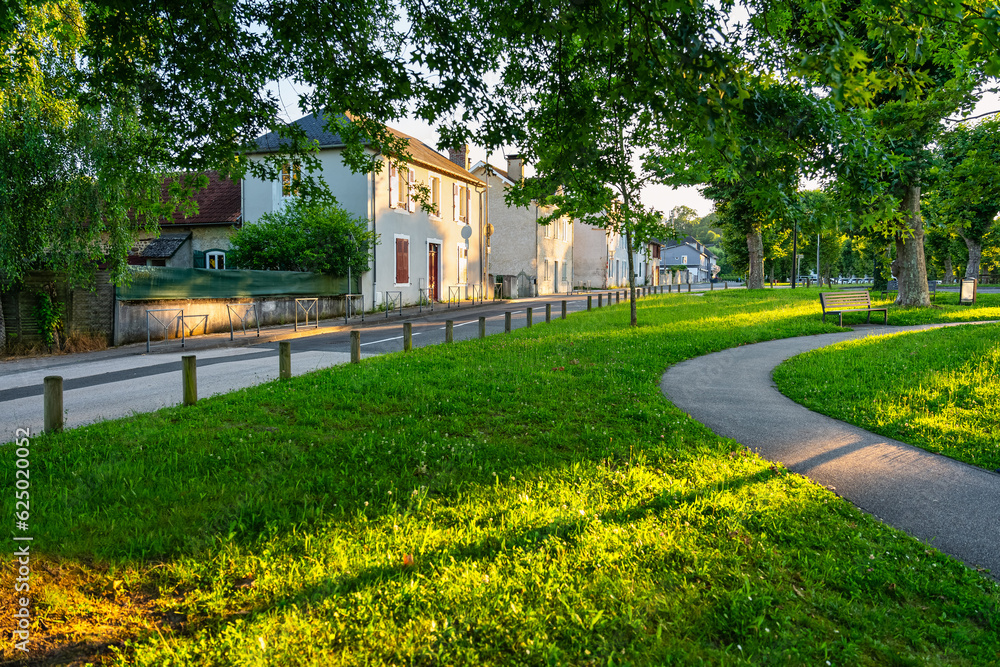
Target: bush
{"x":302,"y":236}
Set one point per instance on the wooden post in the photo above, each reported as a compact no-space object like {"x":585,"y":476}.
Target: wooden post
{"x":528,"y":312}
{"x":189,"y":379}
{"x":449,"y":331}
{"x":506,"y":322}
{"x":618,"y":297}
{"x":407,"y":336}
{"x":725,"y":284}
{"x":482,"y":327}
{"x":52,"y":401}
{"x":564,"y":310}
{"x":711,"y":285}
{"x":600,"y":300}
{"x":548,"y":313}
{"x":689,"y":287}
{"x":284,"y":360}
{"x":355,"y":347}
{"x":590,"y":302}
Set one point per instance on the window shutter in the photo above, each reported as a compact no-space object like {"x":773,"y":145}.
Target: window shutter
{"x":199,"y":259}
{"x":393,"y":184}
{"x":457,"y":206}
{"x":402,"y":260}
{"x":468,"y":204}
{"x":411,"y":204}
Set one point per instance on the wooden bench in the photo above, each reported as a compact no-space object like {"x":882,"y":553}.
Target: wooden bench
{"x":850,"y":301}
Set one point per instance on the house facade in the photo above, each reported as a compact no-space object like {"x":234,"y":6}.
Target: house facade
{"x":526,"y":258}
{"x":691,"y":256}
{"x":420,"y":255}
{"x":198,"y":241}
{"x":602,"y":259}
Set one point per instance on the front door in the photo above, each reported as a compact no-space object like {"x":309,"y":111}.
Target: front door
{"x":434,"y":251}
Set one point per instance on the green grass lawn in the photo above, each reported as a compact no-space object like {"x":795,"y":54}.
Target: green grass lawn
{"x":525,"y":499}
{"x":938,"y":389}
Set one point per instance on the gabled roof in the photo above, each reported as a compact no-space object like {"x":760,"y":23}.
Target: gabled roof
{"x":496,"y":170}
{"x":218,"y":204}
{"x":314,"y":126}
{"x":163,"y":247}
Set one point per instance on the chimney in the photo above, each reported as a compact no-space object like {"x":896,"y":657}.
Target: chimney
{"x":460,"y":156}
{"x":515,"y":167}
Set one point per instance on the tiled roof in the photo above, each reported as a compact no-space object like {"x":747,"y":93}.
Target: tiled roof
{"x":314,"y":126}
{"x":165,"y":246}
{"x":219,"y":203}
{"x":498,"y":171}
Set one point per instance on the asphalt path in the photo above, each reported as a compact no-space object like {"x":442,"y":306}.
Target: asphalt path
{"x":946,"y":503}
{"x":123,"y":381}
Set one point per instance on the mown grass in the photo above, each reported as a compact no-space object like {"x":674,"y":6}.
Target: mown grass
{"x":936,"y":389}
{"x":526,"y":499}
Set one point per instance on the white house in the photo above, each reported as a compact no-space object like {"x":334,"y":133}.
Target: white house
{"x":419,"y":255}
{"x":518,"y":244}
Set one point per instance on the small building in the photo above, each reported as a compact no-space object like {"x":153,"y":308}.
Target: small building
{"x":602,"y":259}
{"x":690,"y":256}
{"x":524,"y":257}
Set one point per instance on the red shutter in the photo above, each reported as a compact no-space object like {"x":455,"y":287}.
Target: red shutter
{"x":455,"y":203}
{"x":468,"y":205}
{"x":402,"y":260}
{"x":393,"y":184}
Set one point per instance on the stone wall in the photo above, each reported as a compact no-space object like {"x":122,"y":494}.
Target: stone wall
{"x":213,"y":316}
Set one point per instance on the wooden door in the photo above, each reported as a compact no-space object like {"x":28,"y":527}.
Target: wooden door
{"x":433,"y":253}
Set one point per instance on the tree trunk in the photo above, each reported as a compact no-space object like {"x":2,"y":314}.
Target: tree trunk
{"x":975,"y":256}
{"x":634,"y":320}
{"x":912,"y":269}
{"x":755,"y":249}
{"x":3,"y":331}
{"x":949,"y":270}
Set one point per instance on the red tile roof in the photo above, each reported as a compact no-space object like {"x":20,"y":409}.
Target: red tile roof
{"x":219,"y":203}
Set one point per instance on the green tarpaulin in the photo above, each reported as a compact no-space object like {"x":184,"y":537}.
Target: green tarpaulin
{"x":157,"y":282}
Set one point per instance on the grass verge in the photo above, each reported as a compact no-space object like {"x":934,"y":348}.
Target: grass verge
{"x":934,"y":389}
{"x":526,"y":499}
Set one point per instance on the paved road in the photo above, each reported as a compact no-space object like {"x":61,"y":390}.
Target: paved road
{"x":952,"y":505}
{"x":122,"y":381}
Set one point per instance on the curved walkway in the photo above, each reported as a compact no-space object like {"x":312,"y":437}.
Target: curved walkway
{"x":949,"y":504}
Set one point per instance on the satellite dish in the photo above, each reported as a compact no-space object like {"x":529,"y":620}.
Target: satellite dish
{"x":467,"y":231}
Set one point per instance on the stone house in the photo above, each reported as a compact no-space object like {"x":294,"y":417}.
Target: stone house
{"x":517,"y":246}
{"x":419,"y":255}
{"x":602,"y":259}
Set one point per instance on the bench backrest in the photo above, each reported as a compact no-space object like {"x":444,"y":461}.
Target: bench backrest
{"x":860,"y":298}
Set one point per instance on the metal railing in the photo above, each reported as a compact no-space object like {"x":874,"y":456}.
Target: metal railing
{"x":249,"y":308}
{"x":178,"y":317}
{"x":393,"y":301}
{"x":307,"y":305}
{"x":349,"y":307}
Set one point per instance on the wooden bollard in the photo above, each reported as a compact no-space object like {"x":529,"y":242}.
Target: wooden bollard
{"x":711,"y":285}
{"x":548,"y":313}
{"x":355,"y":347}
{"x":528,"y":314}
{"x":590,"y":302}
{"x":725,"y":284}
{"x":618,"y":297}
{"x":564,"y":310}
{"x":689,"y":288}
{"x":284,"y":360}
{"x":52,"y":403}
{"x":189,"y":379}
{"x":407,"y":336}
{"x":449,"y":331}
{"x":506,"y":322}
{"x":482,"y":327}
{"x":600,"y":300}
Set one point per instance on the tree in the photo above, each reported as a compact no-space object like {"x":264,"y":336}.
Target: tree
{"x":305,"y":236}
{"x":77,"y":181}
{"x":967,"y":197}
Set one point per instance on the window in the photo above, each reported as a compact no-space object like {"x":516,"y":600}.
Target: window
{"x":463,"y":265}
{"x":460,"y":205}
{"x":435,"y":186}
{"x":291,"y":174}
{"x":546,"y":277}
{"x":564,"y":271}
{"x":545,"y":232}
{"x":402,"y":260}
{"x":215,"y":259}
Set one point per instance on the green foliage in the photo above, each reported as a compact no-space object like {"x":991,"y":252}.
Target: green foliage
{"x":305,"y":236}
{"x":50,"y":317}
{"x":556,"y":509}
{"x":936,"y":389}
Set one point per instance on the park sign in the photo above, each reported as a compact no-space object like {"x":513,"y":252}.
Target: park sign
{"x":967,"y":291}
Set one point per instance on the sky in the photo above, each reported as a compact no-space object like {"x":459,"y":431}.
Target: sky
{"x":660,"y":197}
